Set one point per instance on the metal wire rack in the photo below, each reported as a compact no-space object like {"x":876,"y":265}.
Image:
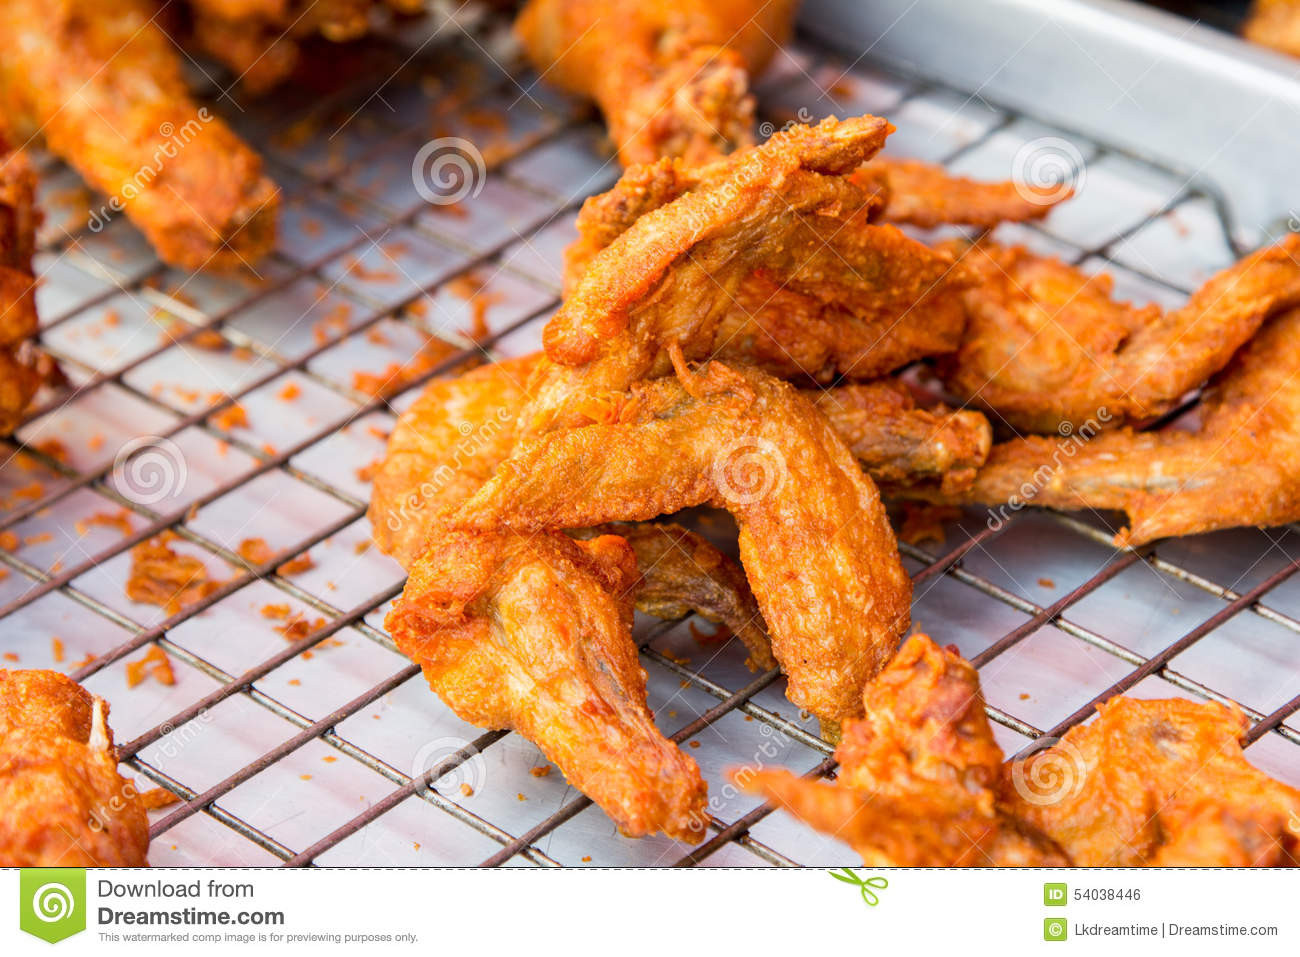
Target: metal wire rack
{"x":268,"y":741}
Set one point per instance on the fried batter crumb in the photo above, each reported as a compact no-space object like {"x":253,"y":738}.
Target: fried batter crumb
{"x":295,"y":566}
{"x":120,"y":520}
{"x":924,"y":523}
{"x":255,"y":551}
{"x":540,"y":772}
{"x":231,"y":417}
{"x":163,"y":577}
{"x":290,"y":392}
{"x":155,"y":663}
{"x":56,"y":649}
{"x":275,"y":612}
{"x":156,"y":798}
{"x":1047,"y":583}
{"x":466,"y":790}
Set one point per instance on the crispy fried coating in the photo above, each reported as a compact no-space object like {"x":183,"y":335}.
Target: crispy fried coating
{"x":101,"y":84}
{"x":1274,"y":23}
{"x":65,"y":805}
{"x":1046,"y":347}
{"x":768,"y":256}
{"x":672,"y":79}
{"x":744,"y":441}
{"x":926,"y":195}
{"x":19,"y":375}
{"x":533,"y":633}
{"x":1148,"y":783}
{"x":1157,"y":783}
{"x":449,"y":442}
{"x":1239,"y":467}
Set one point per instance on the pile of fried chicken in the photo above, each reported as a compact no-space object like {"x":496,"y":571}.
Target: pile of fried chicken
{"x":735,"y":322}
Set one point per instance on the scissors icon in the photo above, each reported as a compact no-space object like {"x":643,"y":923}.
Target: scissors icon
{"x":864,"y":884}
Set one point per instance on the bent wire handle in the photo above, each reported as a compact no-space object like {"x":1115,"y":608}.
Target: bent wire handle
{"x":864,"y":884}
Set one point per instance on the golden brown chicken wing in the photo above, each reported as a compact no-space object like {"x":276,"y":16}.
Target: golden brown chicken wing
{"x":533,"y":633}
{"x":672,"y":79}
{"x":923,"y":783}
{"x":1240,"y":467}
{"x":100,"y":83}
{"x":1046,"y":346}
{"x":744,"y":441}
{"x":65,"y":805}
{"x":926,"y":195}
{"x":19,"y":375}
{"x":1274,"y":23}
{"x":767,"y":256}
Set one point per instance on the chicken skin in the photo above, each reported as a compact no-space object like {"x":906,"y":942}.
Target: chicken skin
{"x":741,"y":440}
{"x":1147,"y":783}
{"x":65,"y":805}
{"x":775,"y":240}
{"x":1239,"y":467}
{"x":672,"y":79}
{"x":19,"y":375}
{"x":100,"y":83}
{"x":1047,"y":348}
{"x":533,"y":633}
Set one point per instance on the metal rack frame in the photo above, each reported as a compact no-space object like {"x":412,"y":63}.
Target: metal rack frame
{"x":527,"y":846}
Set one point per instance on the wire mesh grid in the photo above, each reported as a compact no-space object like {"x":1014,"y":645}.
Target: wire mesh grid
{"x":326,"y":747}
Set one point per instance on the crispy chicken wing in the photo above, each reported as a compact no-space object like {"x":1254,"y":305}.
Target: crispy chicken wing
{"x":533,"y":633}
{"x":65,"y":805}
{"x":1274,"y":23}
{"x":927,"y":195}
{"x":749,"y":443}
{"x":19,"y":376}
{"x":1046,"y":345}
{"x":767,"y":256}
{"x":923,"y":783}
{"x":672,"y":79}
{"x":101,"y":84}
{"x":1240,"y":467}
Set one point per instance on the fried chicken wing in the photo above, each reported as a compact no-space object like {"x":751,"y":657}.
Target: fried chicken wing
{"x":1239,"y":467}
{"x":65,"y":805}
{"x":1147,"y":783}
{"x":926,"y":195}
{"x":1274,"y":23}
{"x":672,"y":79}
{"x":19,"y":376}
{"x":100,"y":83}
{"x":768,"y":256}
{"x":533,"y":633}
{"x":744,"y":441}
{"x":1046,"y":347}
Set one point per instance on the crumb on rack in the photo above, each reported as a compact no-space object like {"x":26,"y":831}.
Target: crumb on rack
{"x":120,"y":520}
{"x":1047,"y":583}
{"x":156,"y":798}
{"x":275,"y":612}
{"x":155,"y":664}
{"x":231,"y":417}
{"x":290,"y":392}
{"x":56,"y":649}
{"x":466,"y":790}
{"x":541,"y":771}
{"x":255,"y":551}
{"x":397,"y":376}
{"x":162,"y":576}
{"x":297,"y":565}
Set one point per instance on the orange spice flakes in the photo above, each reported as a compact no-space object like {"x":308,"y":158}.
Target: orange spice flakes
{"x":367,"y":472}
{"x":357,"y":268}
{"x":298,"y":627}
{"x":290,"y":392}
{"x":56,"y":650}
{"x":540,"y":772}
{"x":397,"y":376}
{"x":25,"y":493}
{"x":156,"y":798}
{"x":361,"y":547}
{"x":162,"y":576}
{"x":296,"y":566}
{"x":11,"y":656}
{"x":120,"y":520}
{"x":231,"y":417}
{"x":9,"y":541}
{"x":924,"y":523}
{"x":95,"y":442}
{"x":255,"y":551}
{"x":470,"y":288}
{"x":275,"y":612}
{"x":155,"y":664}
{"x":40,"y":538}
{"x":55,"y":449}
